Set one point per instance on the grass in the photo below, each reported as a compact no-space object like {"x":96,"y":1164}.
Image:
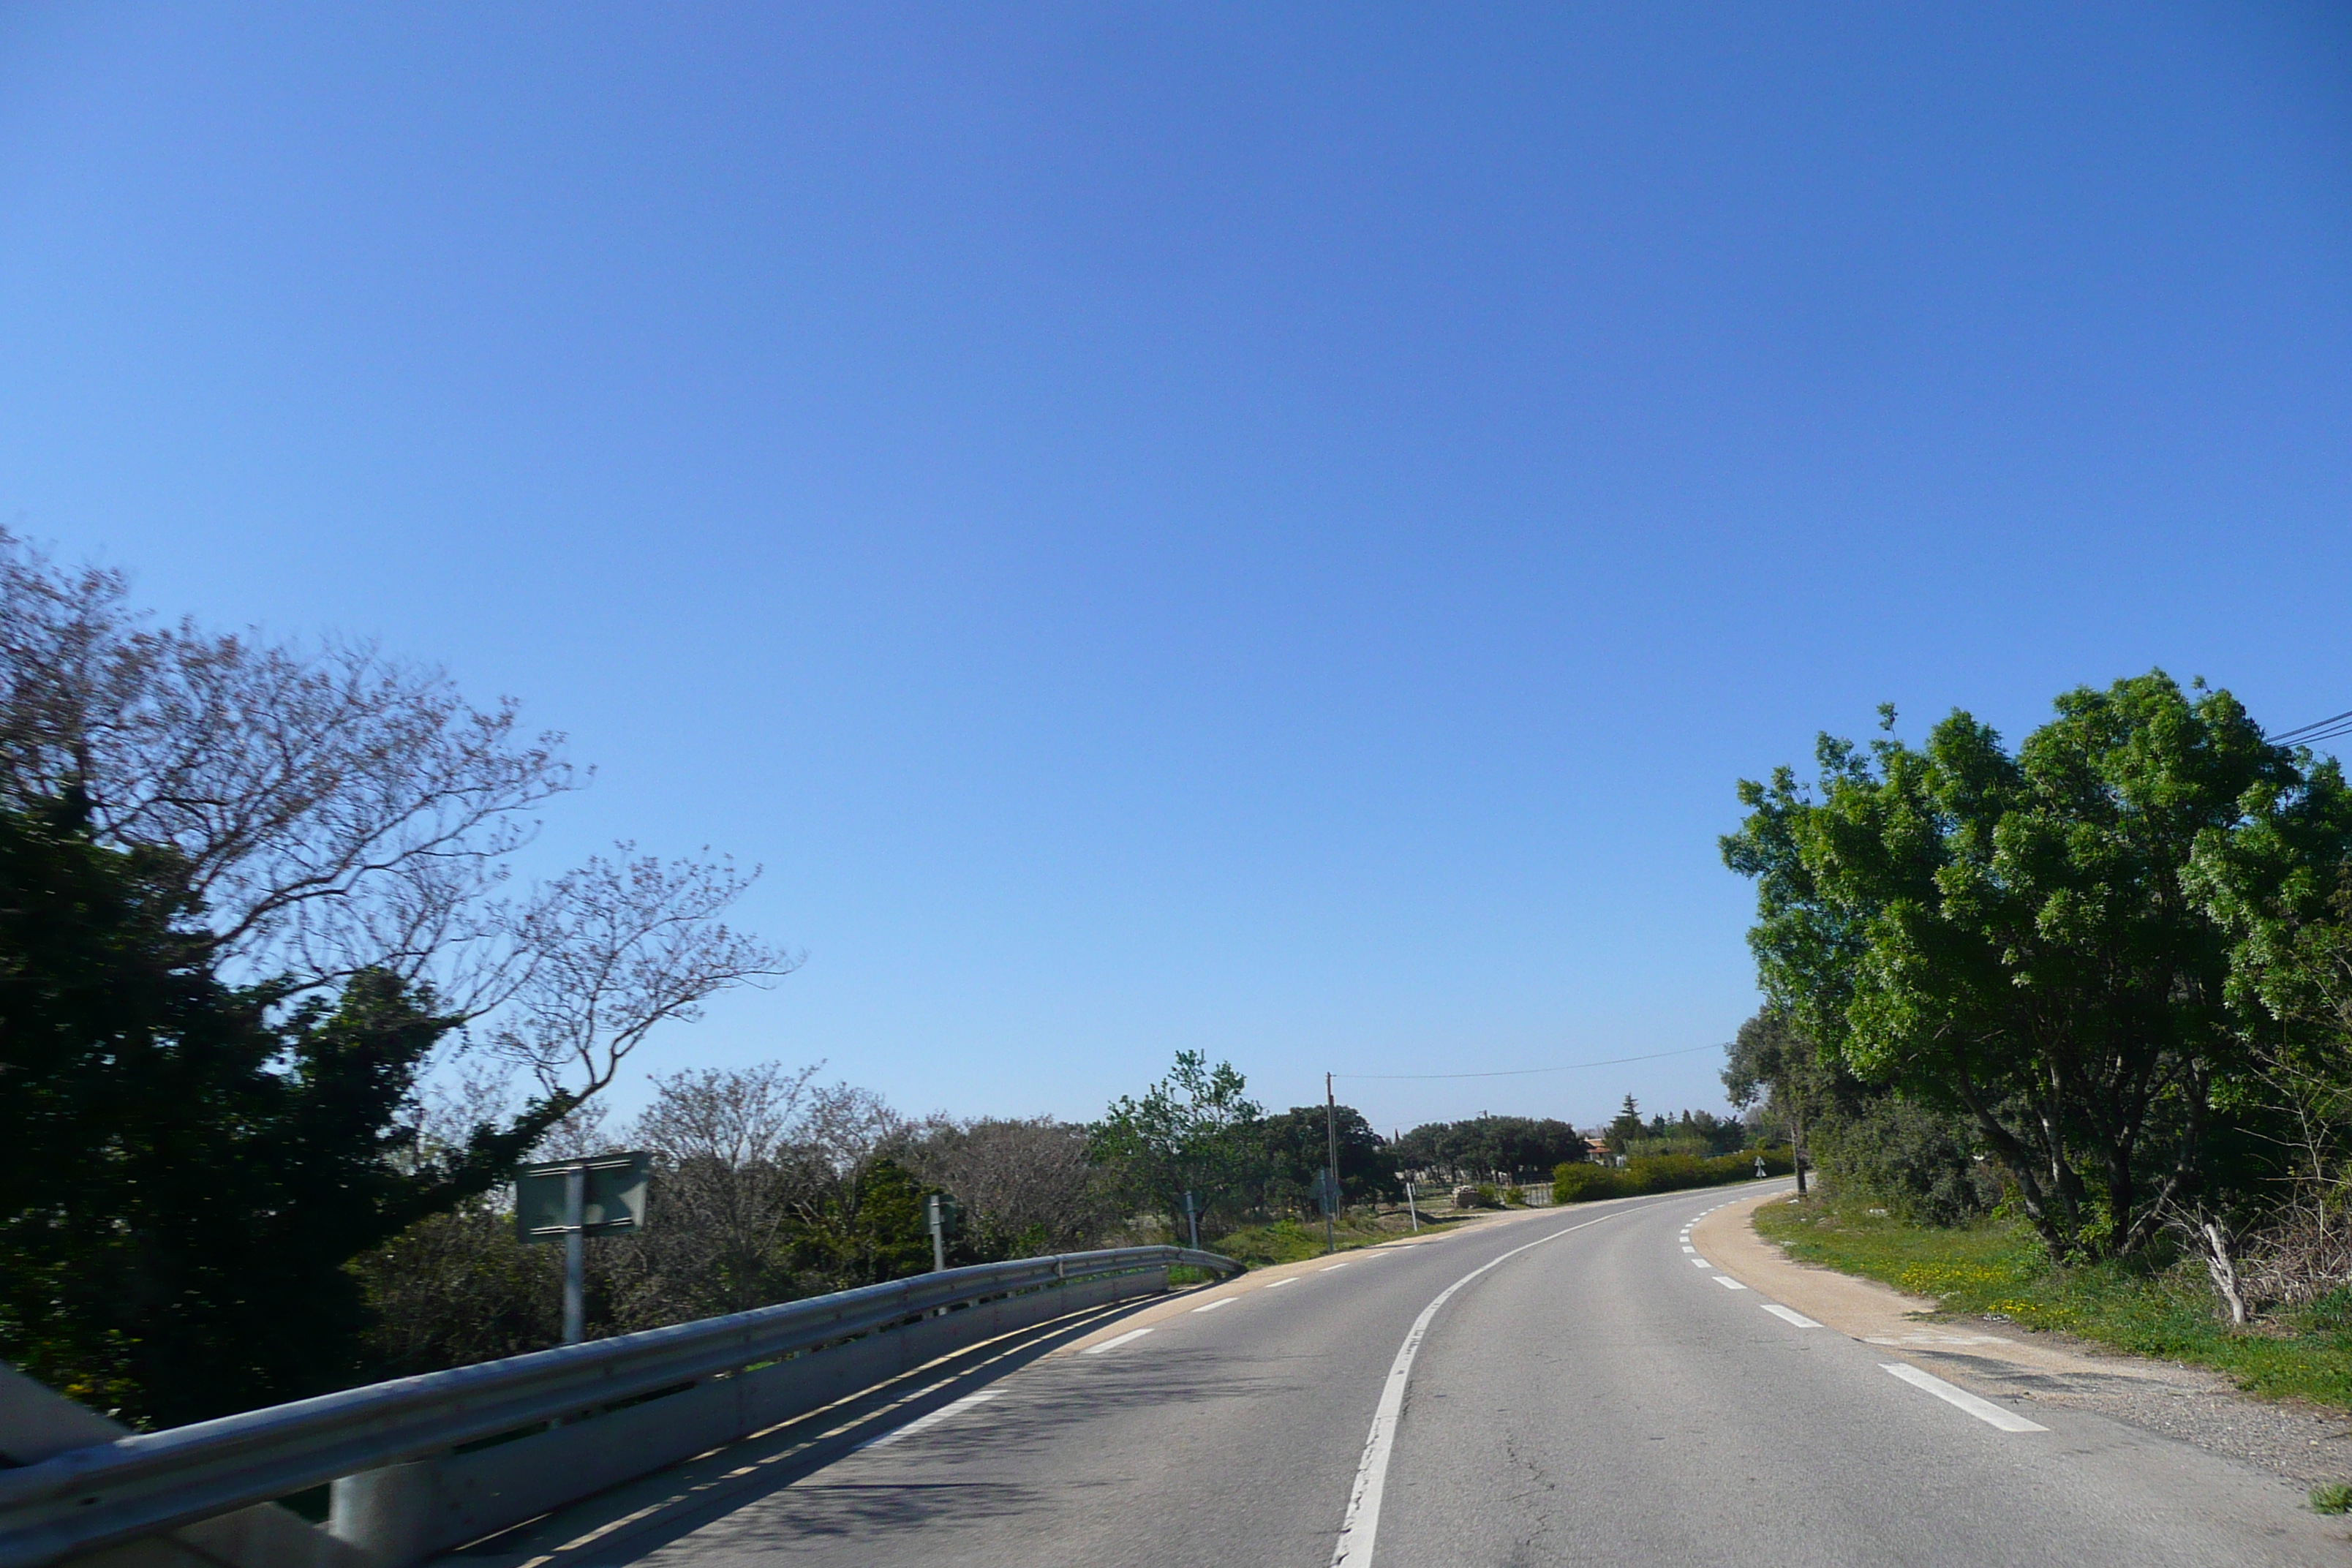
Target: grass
{"x":1997,"y":1270}
{"x":2334,"y":1498}
{"x":1294,"y":1241}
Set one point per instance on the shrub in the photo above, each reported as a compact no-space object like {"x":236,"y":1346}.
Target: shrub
{"x":1514,"y":1197}
{"x":1487,"y":1197}
{"x":1576,"y":1183}
{"x":1918,"y":1162}
{"x":1581,"y":1181}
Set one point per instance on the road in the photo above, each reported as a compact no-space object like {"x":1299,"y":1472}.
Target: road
{"x":1583,"y":1388}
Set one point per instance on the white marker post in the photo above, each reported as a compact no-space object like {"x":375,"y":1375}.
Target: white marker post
{"x":1409,"y":1207}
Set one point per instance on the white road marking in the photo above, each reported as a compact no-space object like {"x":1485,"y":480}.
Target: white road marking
{"x":1327,"y":1269}
{"x":1701,"y":1263}
{"x":1787,"y":1314}
{"x":942,"y":1413}
{"x":1690,"y":1249}
{"x":1984,"y":1410}
{"x":1361,"y":1523}
{"x":1220,"y":1301}
{"x":1937,"y":1339}
{"x":1280,"y":1283}
{"x":1113,"y":1344}
{"x":1729,"y":1283}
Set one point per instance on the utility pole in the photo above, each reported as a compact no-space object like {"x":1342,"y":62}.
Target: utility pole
{"x":1331,"y":1146}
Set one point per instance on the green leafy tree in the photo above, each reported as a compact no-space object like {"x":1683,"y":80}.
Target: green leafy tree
{"x":1769,"y":1061}
{"x":1194,"y":1131}
{"x":1297,"y":1148}
{"x":2011,"y":935}
{"x":188,"y":1170}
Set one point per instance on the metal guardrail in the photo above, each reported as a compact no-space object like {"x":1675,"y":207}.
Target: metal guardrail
{"x":88,"y":1498}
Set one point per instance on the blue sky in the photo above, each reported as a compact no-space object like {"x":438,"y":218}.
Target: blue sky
{"x":1265,"y":528}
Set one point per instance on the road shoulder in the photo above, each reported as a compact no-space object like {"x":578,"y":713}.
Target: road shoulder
{"x":2025,"y":1367}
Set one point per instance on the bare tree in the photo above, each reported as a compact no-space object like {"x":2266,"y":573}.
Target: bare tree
{"x":333,"y":810}
{"x":1026,"y":1184}
{"x":613,"y":950}
{"x":757,"y":1165}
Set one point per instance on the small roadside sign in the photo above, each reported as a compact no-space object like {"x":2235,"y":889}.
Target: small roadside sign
{"x":611,"y":1200}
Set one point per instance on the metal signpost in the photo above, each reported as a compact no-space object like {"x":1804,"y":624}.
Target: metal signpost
{"x":944,"y":1218}
{"x":1408,"y":1206}
{"x":571,"y":1200}
{"x":1192,"y":1221}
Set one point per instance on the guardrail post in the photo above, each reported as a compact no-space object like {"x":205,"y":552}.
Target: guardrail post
{"x":387,"y":1514}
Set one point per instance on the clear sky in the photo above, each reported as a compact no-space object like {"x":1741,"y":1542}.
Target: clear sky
{"x":1266,"y":529}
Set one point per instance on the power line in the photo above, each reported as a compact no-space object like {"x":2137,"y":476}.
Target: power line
{"x":1522,"y":1072}
{"x":2319,"y":730}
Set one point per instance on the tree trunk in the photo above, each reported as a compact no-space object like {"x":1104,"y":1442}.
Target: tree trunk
{"x":2224,"y":1270}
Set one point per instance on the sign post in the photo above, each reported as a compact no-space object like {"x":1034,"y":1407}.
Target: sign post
{"x":1192,"y":1221}
{"x":944,"y":1218}
{"x":1409,"y":1208}
{"x":571,"y":1200}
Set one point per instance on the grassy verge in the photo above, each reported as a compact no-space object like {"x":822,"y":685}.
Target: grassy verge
{"x":1294,"y":1241}
{"x":1996,"y":1268}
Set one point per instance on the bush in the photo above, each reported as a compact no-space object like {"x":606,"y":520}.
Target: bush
{"x":1579,"y":1183}
{"x":1514,"y":1197}
{"x":1487,"y":1197}
{"x":1582,"y":1181}
{"x":1918,"y":1162}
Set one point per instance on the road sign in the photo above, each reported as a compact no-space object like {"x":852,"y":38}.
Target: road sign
{"x":571,"y":1200}
{"x":613,"y":1199}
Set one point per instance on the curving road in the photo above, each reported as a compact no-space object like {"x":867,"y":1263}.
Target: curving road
{"x":1564,"y":1386}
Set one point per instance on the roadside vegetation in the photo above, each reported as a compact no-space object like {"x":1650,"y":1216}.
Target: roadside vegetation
{"x":2065,"y":1032}
{"x":1296,"y":1240}
{"x":1996,"y":1268}
{"x":1585,"y":1181}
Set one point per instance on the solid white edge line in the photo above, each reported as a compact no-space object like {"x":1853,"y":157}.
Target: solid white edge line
{"x":1786,"y":1314}
{"x":1220,"y":1301}
{"x":1113,"y":1344}
{"x":1984,"y":1410}
{"x":1361,"y":1523}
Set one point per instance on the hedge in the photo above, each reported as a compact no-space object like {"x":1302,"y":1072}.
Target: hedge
{"x":1580,"y":1183}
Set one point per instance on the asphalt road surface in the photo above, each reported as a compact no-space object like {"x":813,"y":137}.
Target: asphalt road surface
{"x":1568,"y":1386}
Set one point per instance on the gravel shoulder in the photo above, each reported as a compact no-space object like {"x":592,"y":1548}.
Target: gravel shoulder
{"x":2013,"y":1365}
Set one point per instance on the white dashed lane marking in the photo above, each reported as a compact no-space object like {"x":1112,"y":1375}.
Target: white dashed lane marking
{"x":1225,"y":1301}
{"x":1790,"y":1315}
{"x":1131,"y":1334}
{"x":1280,"y":1283}
{"x":1701,"y":1263}
{"x":1729,"y":1283}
